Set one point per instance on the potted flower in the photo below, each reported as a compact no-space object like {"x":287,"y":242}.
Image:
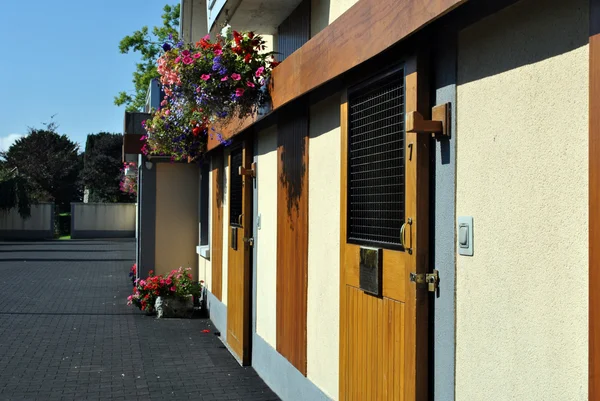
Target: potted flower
{"x":170,"y":296}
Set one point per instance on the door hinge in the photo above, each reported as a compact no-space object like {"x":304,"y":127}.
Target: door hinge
{"x":248,"y":171}
{"x":431,"y":279}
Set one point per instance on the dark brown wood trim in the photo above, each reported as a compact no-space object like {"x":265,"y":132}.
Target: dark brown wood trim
{"x":594,"y":202}
{"x":132,"y":144}
{"x":292,"y":236}
{"x":365,"y":30}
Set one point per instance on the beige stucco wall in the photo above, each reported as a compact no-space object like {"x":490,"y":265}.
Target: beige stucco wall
{"x":40,"y":219}
{"x":176,"y":216}
{"x":522,"y":156}
{"x":226,"y":231}
{"x":323,"y":306}
{"x":324,"y":12}
{"x":103,"y":216}
{"x":266,"y":244}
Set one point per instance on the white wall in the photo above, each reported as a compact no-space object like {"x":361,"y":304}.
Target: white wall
{"x":226,"y":230}
{"x":40,"y":219}
{"x":323,"y":306}
{"x":103,"y":216}
{"x":522,"y":173}
{"x":266,"y":258}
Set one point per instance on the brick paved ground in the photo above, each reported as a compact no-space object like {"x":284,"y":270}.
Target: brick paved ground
{"x":67,"y":333}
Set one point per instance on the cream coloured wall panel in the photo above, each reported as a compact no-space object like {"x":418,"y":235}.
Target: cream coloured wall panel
{"x":522,"y":157}
{"x":324,"y":12}
{"x":266,"y":244}
{"x":226,"y":230}
{"x":324,"y":246}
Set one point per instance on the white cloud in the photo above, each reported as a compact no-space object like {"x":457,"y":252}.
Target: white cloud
{"x":6,"y":141}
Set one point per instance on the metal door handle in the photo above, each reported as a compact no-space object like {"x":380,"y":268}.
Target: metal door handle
{"x":240,"y":219}
{"x":403,"y":235}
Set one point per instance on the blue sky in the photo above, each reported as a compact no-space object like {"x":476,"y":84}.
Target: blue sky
{"x":61,"y":57}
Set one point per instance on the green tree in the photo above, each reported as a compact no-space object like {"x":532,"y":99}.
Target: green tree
{"x":148,"y":45}
{"x":50,"y":163}
{"x":14,"y":191}
{"x":102,"y":168}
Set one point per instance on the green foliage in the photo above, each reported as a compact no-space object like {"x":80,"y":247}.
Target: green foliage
{"x":102,"y":168}
{"x":50,"y":164}
{"x":14,"y":192}
{"x":148,"y":44}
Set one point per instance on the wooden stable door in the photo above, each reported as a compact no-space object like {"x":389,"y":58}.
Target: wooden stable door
{"x":240,"y":251}
{"x":384,"y":214}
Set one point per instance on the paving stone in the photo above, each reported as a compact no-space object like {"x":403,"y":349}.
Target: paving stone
{"x":67,"y":333}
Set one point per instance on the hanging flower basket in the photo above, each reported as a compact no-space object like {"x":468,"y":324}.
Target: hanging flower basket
{"x":205,"y":85}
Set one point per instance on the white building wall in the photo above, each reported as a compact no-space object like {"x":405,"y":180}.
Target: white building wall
{"x":522,"y":173}
{"x":323,"y":308}
{"x":266,"y":265}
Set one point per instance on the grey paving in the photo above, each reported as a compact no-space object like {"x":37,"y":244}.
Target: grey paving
{"x":66,"y":333}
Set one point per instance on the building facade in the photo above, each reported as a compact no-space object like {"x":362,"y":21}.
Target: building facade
{"x":416,"y":215}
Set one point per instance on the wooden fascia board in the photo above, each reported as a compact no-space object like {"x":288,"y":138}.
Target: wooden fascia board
{"x":365,"y":30}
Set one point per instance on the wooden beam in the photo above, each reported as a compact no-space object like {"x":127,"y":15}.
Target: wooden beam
{"x":594,"y":203}
{"x":365,"y":30}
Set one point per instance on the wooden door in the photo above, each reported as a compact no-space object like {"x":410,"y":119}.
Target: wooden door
{"x":239,"y":252}
{"x":383,"y":331}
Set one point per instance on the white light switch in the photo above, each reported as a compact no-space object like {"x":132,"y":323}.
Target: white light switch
{"x":465,"y":235}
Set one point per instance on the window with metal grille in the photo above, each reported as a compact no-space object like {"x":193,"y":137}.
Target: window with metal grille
{"x":376,"y":161}
{"x":235,"y":187}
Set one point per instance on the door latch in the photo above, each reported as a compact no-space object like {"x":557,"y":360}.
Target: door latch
{"x":431,"y":279}
{"x":249,"y":241}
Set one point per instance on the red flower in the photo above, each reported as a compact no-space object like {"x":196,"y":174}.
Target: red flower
{"x":247,"y":58}
{"x":237,"y":37}
{"x":196,"y":131}
{"x":274,"y":63}
{"x":251,"y":34}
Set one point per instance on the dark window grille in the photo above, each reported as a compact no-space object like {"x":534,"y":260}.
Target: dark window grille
{"x":235,"y":187}
{"x":376,"y":182}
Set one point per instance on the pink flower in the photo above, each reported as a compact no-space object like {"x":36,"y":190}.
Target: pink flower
{"x":198,"y":90}
{"x":259,"y":72}
{"x":196,"y":55}
{"x":177,"y":59}
{"x":163,"y":103}
{"x":173,"y":289}
{"x":218,"y":52}
{"x":225,"y":78}
{"x":185,"y":53}
{"x":169,"y":281}
{"x":167,"y":112}
{"x":239,"y":92}
{"x":250,"y":84}
{"x":205,"y":77}
{"x":236,"y":77}
{"x":207,"y":37}
{"x":188,"y":60}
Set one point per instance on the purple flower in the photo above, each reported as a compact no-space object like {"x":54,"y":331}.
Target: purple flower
{"x":166,"y":47}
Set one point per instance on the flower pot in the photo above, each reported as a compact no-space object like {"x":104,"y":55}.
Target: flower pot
{"x":174,"y":307}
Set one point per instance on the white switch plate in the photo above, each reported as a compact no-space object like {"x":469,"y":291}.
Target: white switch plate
{"x":464,"y":223}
